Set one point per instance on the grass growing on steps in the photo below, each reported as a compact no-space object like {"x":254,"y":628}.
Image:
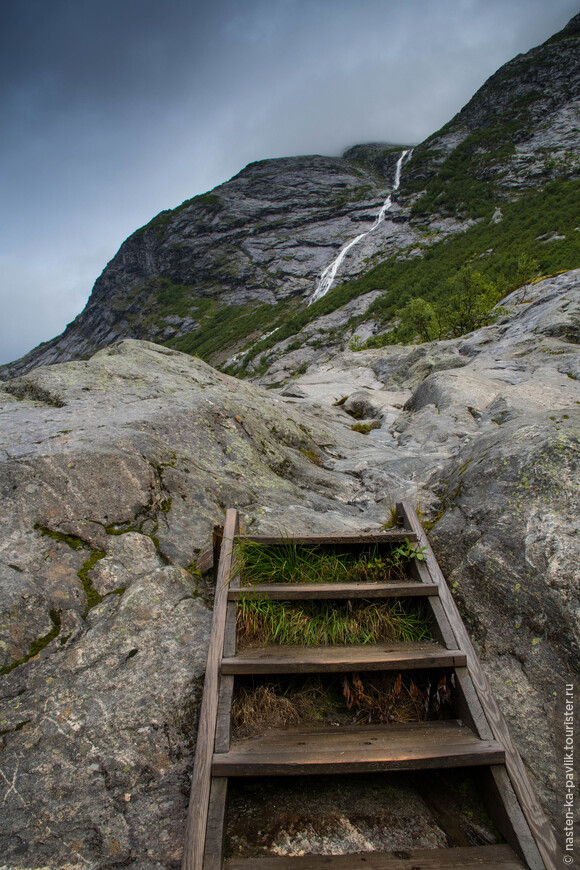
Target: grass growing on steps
{"x":291,"y":563}
{"x":325,"y":623}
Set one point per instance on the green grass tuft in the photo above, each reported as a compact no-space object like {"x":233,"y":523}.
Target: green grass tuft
{"x":325,"y":623}
{"x":292,"y":563}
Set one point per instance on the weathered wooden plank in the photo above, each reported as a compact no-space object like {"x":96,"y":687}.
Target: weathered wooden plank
{"x":304,"y":591}
{"x":533,"y":812}
{"x":467,"y":705}
{"x":226,"y":689}
{"x":471,"y":858}
{"x":504,"y":808}
{"x":388,"y":536}
{"x":224,"y":714}
{"x":411,"y":746}
{"x":277,"y":659}
{"x":230,"y":627}
{"x":215,"y":829}
{"x":217,"y":536}
{"x":442,"y":630}
{"x":204,"y":561}
{"x":195,"y":830}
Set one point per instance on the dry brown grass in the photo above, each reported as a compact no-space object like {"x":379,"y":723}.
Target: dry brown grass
{"x":353,"y":699}
{"x":273,"y":706}
{"x":385,"y":698}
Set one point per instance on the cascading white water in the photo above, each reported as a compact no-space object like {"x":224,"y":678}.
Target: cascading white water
{"x":243,"y":353}
{"x":326,"y":280}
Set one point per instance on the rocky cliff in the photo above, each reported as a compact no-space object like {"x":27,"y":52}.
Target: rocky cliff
{"x":518,"y":131}
{"x":226,"y":268}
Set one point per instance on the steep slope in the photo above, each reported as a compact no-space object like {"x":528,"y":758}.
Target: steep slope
{"x":518,"y":132}
{"x":228,"y":267}
{"x":253,"y":244}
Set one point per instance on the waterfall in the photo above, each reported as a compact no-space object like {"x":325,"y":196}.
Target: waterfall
{"x":326,"y":280}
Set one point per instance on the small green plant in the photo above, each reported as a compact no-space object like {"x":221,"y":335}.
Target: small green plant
{"x":407,"y":551}
{"x":356,"y":343}
{"x":302,"y":368}
{"x":392,"y":519}
{"x":365,"y":428}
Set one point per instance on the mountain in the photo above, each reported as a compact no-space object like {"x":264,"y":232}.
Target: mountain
{"x":115,"y":469}
{"x":223,"y":270}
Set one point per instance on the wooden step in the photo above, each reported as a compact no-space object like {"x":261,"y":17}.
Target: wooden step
{"x":278,"y":659}
{"x":469,"y":857}
{"x":358,"y":748}
{"x":303,"y":591}
{"x":394,"y":536}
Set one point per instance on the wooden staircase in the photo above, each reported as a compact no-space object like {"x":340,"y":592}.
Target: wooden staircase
{"x":477,"y":738}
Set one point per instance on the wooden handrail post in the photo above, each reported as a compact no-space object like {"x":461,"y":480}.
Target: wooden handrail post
{"x":196,"y":824}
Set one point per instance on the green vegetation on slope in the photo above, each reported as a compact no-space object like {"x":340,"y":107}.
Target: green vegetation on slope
{"x":224,"y":327}
{"x":469,"y":180}
{"x":463,"y":277}
{"x":498,"y":256}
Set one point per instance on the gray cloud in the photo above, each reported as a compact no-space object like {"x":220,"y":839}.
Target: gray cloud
{"x":115,"y":109}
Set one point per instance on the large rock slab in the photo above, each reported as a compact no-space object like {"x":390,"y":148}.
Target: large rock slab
{"x":113,"y":473}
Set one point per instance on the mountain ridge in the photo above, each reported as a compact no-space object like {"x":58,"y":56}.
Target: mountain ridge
{"x":251,"y":250}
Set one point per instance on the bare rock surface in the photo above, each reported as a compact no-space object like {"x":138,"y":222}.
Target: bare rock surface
{"x":484,"y":434}
{"x":371,"y":813}
{"x":113,"y":472}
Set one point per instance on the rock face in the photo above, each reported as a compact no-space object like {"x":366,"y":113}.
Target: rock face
{"x":114,"y":469}
{"x":521,"y":128}
{"x":262,"y":237}
{"x":113,"y":472}
{"x":254,"y":247}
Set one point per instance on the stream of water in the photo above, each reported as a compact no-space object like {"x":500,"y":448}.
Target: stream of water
{"x":326,"y":280}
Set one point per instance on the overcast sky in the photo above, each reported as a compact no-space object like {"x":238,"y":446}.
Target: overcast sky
{"x":112,"y":110}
